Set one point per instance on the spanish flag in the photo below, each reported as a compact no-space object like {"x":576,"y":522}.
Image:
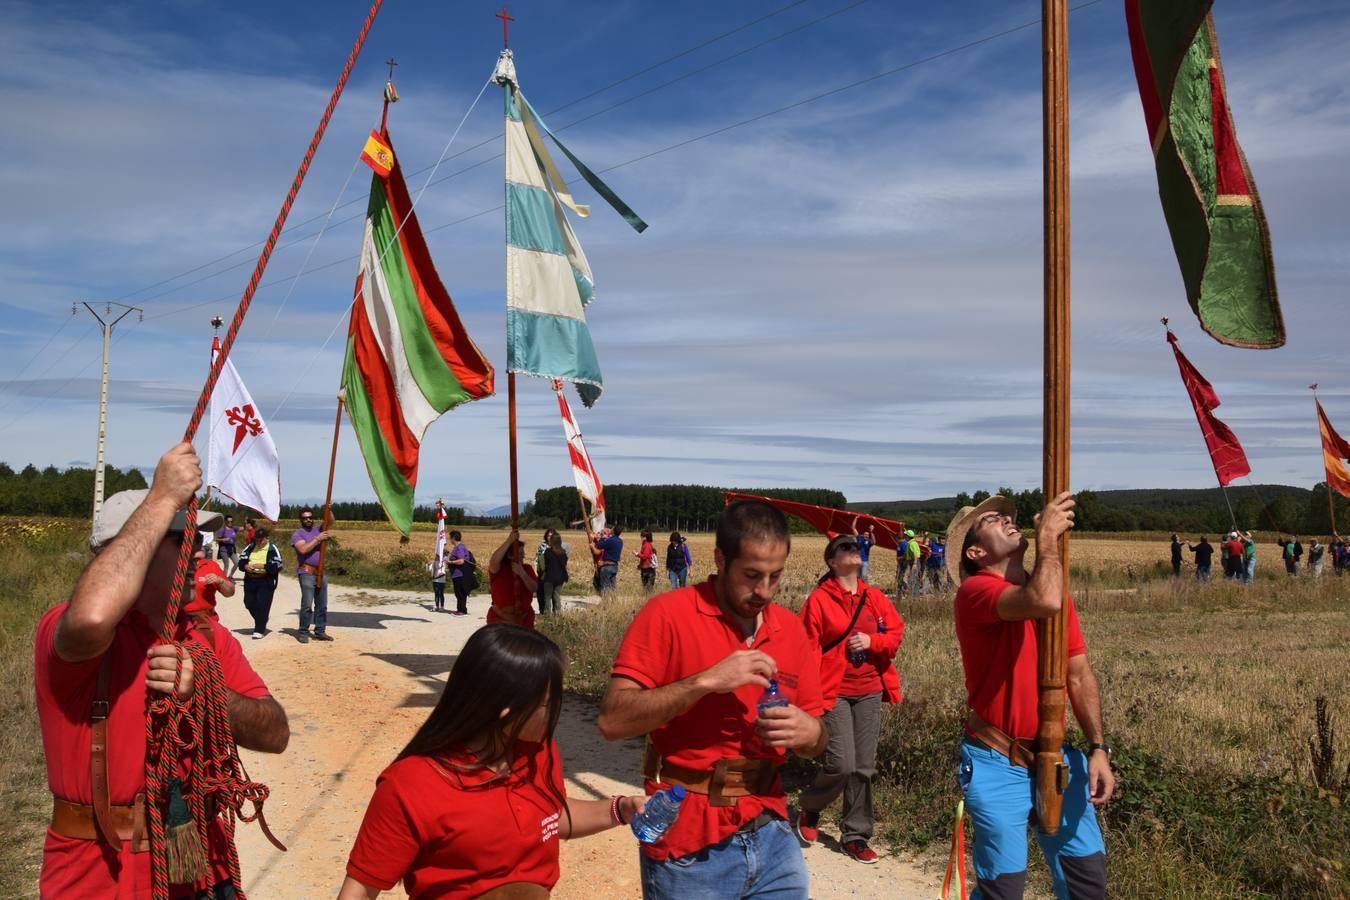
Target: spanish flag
{"x":378,"y":155}
{"x":1335,"y":454}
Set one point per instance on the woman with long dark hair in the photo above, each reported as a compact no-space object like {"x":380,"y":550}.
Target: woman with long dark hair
{"x":858,"y":631}
{"x":476,"y":802}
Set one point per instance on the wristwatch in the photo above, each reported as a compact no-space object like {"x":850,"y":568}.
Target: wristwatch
{"x":1102,"y":746}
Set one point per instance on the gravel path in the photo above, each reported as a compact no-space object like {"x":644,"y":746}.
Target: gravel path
{"x":354,"y":702}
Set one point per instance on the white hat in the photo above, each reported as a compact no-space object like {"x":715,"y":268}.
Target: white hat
{"x":119,"y":507}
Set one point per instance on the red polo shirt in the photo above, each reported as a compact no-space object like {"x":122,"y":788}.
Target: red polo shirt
{"x":447,"y":832}
{"x":681,"y":633}
{"x":65,"y":694}
{"x":1000,"y":656}
{"x":827,"y":613}
{"x":510,"y":592}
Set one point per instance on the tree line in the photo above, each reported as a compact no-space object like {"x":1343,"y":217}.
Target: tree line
{"x":53,"y":492}
{"x":664,"y":507}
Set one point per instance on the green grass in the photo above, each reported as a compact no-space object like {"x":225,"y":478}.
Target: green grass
{"x":39,"y":562}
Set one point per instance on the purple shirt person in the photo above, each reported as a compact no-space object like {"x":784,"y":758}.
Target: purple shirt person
{"x":461,"y":573}
{"x":307,"y":541}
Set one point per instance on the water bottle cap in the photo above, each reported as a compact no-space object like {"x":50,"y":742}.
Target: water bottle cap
{"x":677,"y":792}
{"x":773,"y":685}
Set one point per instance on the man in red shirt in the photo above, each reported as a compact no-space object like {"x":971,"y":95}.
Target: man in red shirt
{"x":996,"y":608}
{"x":690,"y":673}
{"x":95,"y":659}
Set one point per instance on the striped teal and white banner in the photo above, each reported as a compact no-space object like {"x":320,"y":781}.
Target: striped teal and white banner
{"x":548,"y":280}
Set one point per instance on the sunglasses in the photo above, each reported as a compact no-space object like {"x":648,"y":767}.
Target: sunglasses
{"x":846,"y":547}
{"x":991,"y":518}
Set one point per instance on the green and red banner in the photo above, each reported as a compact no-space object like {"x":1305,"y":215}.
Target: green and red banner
{"x":1209,"y":197}
{"x":409,"y":358}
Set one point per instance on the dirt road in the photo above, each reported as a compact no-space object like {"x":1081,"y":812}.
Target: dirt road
{"x":353,"y":703}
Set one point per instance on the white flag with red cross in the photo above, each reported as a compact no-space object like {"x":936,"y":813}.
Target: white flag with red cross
{"x":583,"y":470}
{"x":242,"y":462}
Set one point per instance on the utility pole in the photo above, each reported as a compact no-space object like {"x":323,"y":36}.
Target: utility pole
{"x":107,"y":321}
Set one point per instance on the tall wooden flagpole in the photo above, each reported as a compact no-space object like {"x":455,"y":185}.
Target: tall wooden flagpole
{"x":1051,"y":773}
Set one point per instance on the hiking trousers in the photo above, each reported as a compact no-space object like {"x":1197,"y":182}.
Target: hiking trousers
{"x":1000,"y":799}
{"x":850,"y":763}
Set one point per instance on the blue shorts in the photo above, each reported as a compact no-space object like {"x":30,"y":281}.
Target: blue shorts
{"x":1000,"y":800}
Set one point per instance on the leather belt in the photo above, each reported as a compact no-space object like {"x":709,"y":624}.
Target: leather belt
{"x":758,"y":822}
{"x":74,"y":820}
{"x":724,"y":783}
{"x":307,"y":569}
{"x":1019,"y":752}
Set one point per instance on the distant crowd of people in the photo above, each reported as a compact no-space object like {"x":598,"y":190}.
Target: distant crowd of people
{"x":1238,"y":553}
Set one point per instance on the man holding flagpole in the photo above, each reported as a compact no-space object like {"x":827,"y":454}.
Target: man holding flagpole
{"x":306,"y":540}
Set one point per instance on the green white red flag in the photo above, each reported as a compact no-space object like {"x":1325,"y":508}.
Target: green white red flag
{"x":1209,"y":198}
{"x":409,"y":358}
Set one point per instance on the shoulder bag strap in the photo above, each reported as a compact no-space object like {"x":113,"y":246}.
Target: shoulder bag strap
{"x":862,"y":601}
{"x":98,"y":753}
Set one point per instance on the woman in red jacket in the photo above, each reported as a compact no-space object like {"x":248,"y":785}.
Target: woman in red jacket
{"x":859,"y":632}
{"x":475,"y":803}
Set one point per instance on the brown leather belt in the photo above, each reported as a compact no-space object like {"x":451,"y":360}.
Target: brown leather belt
{"x":1018,"y":751}
{"x":307,"y":569}
{"x":724,"y":783}
{"x":74,"y":820}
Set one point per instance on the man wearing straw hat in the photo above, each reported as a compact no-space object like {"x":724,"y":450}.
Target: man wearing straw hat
{"x":996,"y":609}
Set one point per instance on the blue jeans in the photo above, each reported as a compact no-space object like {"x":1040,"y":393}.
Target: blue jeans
{"x":313,"y":601}
{"x":1202,"y":573}
{"x":764,"y":863}
{"x":678,"y":578}
{"x":866,"y":567}
{"x":1000,"y":801}
{"x":609,"y":576}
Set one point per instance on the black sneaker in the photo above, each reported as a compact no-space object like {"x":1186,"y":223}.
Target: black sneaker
{"x":302,"y":637}
{"x":322,"y":636}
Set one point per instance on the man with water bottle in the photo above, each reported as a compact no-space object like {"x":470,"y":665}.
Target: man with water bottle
{"x":724,"y":682}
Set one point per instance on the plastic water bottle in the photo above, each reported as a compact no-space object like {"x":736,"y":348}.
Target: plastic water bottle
{"x":772,"y":697}
{"x":857,"y":657}
{"x":658,"y":815}
{"x":881,"y":625}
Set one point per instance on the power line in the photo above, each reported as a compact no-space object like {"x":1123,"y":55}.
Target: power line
{"x":684,"y":143}
{"x":60,"y":328}
{"x":631,"y":75}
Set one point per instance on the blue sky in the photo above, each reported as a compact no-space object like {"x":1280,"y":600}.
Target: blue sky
{"x":844,"y":295}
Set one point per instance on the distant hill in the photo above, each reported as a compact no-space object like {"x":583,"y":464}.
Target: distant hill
{"x":1165,"y":498}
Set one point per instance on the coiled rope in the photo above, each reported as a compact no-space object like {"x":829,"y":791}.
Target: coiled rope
{"x":200,"y":725}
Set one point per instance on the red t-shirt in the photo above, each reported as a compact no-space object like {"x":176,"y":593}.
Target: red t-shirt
{"x":683,"y":632}
{"x":1000,"y":656}
{"x":72,"y":867}
{"x":448,"y":833}
{"x":204,"y":594}
{"x":510,"y":592}
{"x":826,"y":615}
{"x":1234,"y":549}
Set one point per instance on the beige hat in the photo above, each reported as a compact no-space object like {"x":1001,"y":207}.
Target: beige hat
{"x":963,"y":522}
{"x":119,"y":507}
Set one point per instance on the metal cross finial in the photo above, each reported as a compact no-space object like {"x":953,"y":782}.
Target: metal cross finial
{"x":507,"y":19}
{"x":390,"y":63}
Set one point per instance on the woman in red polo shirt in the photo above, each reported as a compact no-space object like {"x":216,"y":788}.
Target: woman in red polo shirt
{"x":858,"y":631}
{"x":476,"y":800}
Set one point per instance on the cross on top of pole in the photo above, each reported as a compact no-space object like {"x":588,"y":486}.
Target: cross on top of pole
{"x":507,"y":19}
{"x":390,"y":63}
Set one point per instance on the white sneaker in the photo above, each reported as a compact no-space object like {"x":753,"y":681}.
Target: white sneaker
{"x":257,"y":635}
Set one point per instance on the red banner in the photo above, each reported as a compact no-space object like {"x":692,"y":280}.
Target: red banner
{"x":829,"y":522}
{"x":1224,"y":450}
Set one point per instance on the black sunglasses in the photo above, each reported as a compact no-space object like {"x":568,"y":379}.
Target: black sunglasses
{"x":846,"y":547}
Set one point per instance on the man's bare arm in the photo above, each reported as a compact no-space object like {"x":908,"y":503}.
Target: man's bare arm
{"x":630,"y":710}
{"x":259,"y":724}
{"x":111,"y":583}
{"x":1086,"y":698}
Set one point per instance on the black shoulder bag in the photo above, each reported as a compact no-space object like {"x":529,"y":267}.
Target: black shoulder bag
{"x":862,"y":601}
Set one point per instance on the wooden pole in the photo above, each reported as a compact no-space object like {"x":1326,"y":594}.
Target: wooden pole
{"x":1051,"y":773}
{"x":326,"y":521}
{"x":1331,"y":503}
{"x":511,"y":428}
